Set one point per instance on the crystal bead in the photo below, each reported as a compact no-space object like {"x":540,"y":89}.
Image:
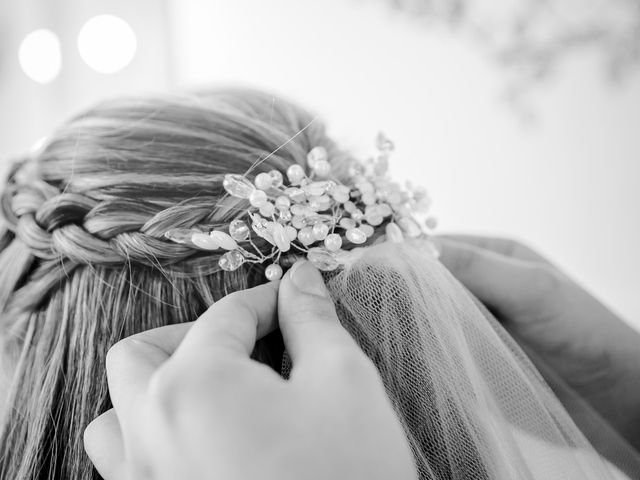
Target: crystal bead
{"x":231,"y":261}
{"x":355,"y":235}
{"x":322,"y":168}
{"x":315,"y":155}
{"x":419,"y":194}
{"x":350,"y":207}
{"x":223,"y":239}
{"x":394,"y":198}
{"x":267,"y":209}
{"x":322,"y":259}
{"x":263,"y":181}
{"x":384,"y":209}
{"x":333,"y":242}
{"x":285,"y":215}
{"x":374,"y":220}
{"x":239,"y":230}
{"x":383,"y":143}
{"x":347,"y":223}
{"x":365,"y":187}
{"x":283,"y":202}
{"x":409,"y":227}
{"x":291,"y":232}
{"x":341,"y":197}
{"x":319,"y":203}
{"x":260,"y":226}
{"x":320,"y":231}
{"x":368,"y":198}
{"x":316,"y":188}
{"x":357,"y":215}
{"x":276,"y":178}
{"x":295,"y":173}
{"x":280,"y":237}
{"x":258,"y":198}
{"x":306,"y":236}
{"x":296,"y":194}
{"x":273,"y":272}
{"x":331,"y":186}
{"x":180,"y":235}
{"x":237,"y":186}
{"x":298,"y":209}
{"x":394,"y":233}
{"x":367,"y":229}
{"x":204,"y":241}
{"x":298,"y":221}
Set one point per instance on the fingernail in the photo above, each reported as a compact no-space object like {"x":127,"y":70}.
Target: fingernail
{"x":308,"y":279}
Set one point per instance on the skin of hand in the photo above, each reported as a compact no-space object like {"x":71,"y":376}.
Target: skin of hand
{"x":189,"y":402}
{"x":591,"y":348}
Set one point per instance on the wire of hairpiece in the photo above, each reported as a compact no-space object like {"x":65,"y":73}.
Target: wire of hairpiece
{"x":314,"y":213}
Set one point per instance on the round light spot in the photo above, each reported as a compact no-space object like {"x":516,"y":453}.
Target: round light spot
{"x":107,"y":43}
{"x":40,"y":56}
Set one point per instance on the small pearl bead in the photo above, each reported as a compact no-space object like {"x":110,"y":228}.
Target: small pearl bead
{"x":267,"y":209}
{"x":333,"y":242}
{"x":295,"y":173}
{"x":367,"y":229}
{"x":263,"y":181}
{"x":320,"y":231}
{"x":374,"y":219}
{"x":276,"y":178}
{"x":355,"y":235}
{"x":315,"y":155}
{"x":291,"y":232}
{"x":306,"y":236}
{"x":273,"y":272}
{"x":322,"y":168}
{"x":258,"y":198}
{"x":283,"y":202}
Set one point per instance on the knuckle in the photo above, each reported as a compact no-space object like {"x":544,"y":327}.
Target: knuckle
{"x":120,"y":352}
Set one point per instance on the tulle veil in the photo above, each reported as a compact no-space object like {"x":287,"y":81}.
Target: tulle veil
{"x":474,"y":406}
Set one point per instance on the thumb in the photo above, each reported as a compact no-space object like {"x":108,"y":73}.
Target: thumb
{"x":307,"y":315}
{"x":512,"y":287}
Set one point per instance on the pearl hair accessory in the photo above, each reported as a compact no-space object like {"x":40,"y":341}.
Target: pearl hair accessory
{"x":314,"y":213}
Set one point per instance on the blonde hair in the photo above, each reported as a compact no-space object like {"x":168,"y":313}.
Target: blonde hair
{"x":83,"y":261}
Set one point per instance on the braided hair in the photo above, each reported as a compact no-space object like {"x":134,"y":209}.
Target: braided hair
{"x":83,"y":260}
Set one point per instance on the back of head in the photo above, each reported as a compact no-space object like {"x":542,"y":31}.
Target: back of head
{"x":83,"y":260}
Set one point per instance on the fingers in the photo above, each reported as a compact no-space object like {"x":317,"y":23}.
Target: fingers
{"x":104,"y":446}
{"x":231,"y":326}
{"x":132,"y":361}
{"x":503,"y":246}
{"x":307,"y":316}
{"x":510,"y":286}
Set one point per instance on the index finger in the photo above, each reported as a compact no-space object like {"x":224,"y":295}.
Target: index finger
{"x":232,"y":325}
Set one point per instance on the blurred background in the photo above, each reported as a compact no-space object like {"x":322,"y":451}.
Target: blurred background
{"x":521,"y":117}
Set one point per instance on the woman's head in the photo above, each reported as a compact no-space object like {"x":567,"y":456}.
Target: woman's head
{"x":84,"y":261}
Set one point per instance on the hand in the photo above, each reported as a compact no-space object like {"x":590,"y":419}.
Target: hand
{"x":189,"y":403}
{"x":593,"y":351}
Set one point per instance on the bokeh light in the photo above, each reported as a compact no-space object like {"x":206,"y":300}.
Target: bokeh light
{"x":107,"y":43}
{"x":40,"y":56}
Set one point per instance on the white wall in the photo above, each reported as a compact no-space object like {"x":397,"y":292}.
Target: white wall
{"x":569,"y":184}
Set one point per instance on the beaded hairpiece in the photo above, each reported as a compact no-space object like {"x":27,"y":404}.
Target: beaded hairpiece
{"x":314,"y":214}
